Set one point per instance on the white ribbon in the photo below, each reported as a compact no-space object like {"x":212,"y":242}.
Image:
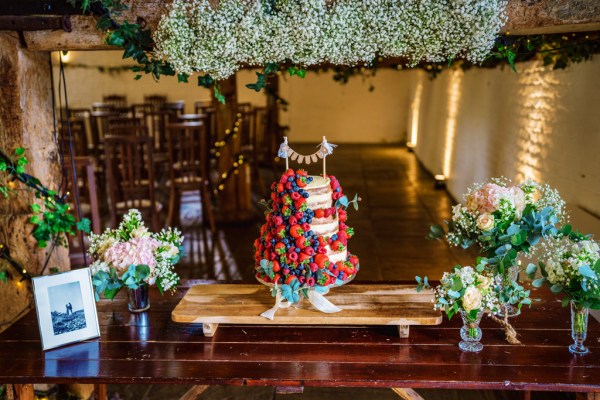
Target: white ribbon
{"x":315,"y":298}
{"x":328,"y":147}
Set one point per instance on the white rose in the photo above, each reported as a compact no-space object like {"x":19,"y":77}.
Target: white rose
{"x":471,"y":299}
{"x":172,"y":251}
{"x":485,"y":222}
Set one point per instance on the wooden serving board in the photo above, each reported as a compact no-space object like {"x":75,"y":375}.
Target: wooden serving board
{"x":398,"y":305}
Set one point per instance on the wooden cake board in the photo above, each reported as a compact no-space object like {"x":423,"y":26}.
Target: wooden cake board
{"x":399,"y":305}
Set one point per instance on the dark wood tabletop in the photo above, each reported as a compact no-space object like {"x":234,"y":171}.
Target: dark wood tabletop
{"x":150,"y":348}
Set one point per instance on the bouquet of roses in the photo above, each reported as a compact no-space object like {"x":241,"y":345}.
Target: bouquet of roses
{"x":131,"y":256}
{"x":571,"y":265}
{"x":464,"y":290}
{"x":503,"y":219}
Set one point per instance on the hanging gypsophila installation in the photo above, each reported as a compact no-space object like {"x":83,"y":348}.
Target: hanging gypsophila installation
{"x":195,"y":36}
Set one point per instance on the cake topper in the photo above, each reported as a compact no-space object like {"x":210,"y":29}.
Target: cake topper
{"x":325,"y":149}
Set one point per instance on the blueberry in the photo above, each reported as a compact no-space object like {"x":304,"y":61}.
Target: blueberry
{"x":297,"y":250}
{"x":310,"y":233}
{"x":334,"y":237}
{"x":285,"y":241}
{"x":337,"y":190}
{"x":292,"y":272}
{"x":305,"y":195}
{"x":315,"y":237}
{"x":273,"y":241}
{"x":309,"y":220}
{"x":291,"y":179}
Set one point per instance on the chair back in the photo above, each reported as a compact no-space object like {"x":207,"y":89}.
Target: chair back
{"x":156,"y":101}
{"x":130,"y":176}
{"x":127,"y":126}
{"x":88,"y":201}
{"x":188,"y":154}
{"x":118,"y":101}
{"x":99,"y":128}
{"x":79,"y":135}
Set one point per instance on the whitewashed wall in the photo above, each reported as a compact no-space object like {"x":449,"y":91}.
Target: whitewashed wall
{"x":538,"y":123}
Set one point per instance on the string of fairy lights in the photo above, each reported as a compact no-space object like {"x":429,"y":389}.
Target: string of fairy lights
{"x":230,"y":134}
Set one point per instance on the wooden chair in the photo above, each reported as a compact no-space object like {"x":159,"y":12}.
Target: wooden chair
{"x":141,"y":109}
{"x":210,"y":122}
{"x":156,"y":101}
{"x":188,"y":161}
{"x":130,"y":176}
{"x":101,"y":106}
{"x":191,"y":117}
{"x":201,"y":106}
{"x":88,"y":200}
{"x":126,"y":126}
{"x":79,"y":135}
{"x":99,"y":129}
{"x":118,"y":101}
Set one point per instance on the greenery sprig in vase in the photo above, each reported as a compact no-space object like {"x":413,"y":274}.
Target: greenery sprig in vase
{"x":571,"y":266}
{"x":467,"y":292}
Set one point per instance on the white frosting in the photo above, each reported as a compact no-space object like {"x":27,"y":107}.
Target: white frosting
{"x":317,"y":201}
{"x":329,"y":228}
{"x":337,"y":256}
{"x":317,"y":182}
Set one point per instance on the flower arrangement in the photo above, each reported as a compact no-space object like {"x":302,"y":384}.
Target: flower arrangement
{"x":504,"y":219}
{"x":194,"y":36}
{"x":131,"y":256}
{"x":464,"y":289}
{"x":570,"y":266}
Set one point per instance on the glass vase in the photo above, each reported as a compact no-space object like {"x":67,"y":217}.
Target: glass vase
{"x":579,"y":324}
{"x":470,"y":333}
{"x":138,"y":300}
{"x":510,"y":275}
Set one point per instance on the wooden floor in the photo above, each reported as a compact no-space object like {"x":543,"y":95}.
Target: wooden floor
{"x":399,"y":203}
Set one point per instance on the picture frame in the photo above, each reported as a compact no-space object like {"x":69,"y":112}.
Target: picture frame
{"x":66,"y":308}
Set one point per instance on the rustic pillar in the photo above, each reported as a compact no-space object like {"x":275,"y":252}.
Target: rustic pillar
{"x":234,"y":196}
{"x":25,"y":121}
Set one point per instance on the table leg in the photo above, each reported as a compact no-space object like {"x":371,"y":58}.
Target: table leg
{"x":100,"y":392}
{"x":209,"y":329}
{"x":24,"y":392}
{"x":403,"y":330}
{"x":194,"y":392}
{"x":407,"y":394}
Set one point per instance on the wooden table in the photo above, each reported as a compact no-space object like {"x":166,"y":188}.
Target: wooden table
{"x":150,"y":348}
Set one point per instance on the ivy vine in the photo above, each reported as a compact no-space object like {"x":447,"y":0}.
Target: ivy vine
{"x":52,"y":218}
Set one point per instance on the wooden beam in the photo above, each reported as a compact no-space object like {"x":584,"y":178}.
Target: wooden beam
{"x":407,"y":394}
{"x":529,"y":17}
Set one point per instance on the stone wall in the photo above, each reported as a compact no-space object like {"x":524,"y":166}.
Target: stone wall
{"x":538,"y":124}
{"x":25,"y":121}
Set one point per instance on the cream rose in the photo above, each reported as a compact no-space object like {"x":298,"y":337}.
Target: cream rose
{"x":472,"y":299}
{"x":485,"y":282}
{"x":140,"y":232}
{"x":472,"y":204}
{"x":485,"y":222}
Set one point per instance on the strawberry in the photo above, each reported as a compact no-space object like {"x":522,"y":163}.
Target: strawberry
{"x":300,"y":204}
{"x":280,"y":248}
{"x":296,"y":231}
{"x":290,"y":172}
{"x":302,"y":173}
{"x":276,"y":278}
{"x":337,"y":245}
{"x":301,"y":182}
{"x":320,"y":213}
{"x":290,"y":279}
{"x":286,"y":211}
{"x":321,"y":260}
{"x":280,"y":231}
{"x":342,"y":215}
{"x":353,"y":260}
{"x":302,"y":242}
{"x":286,"y":271}
{"x":280,"y":187}
{"x":276,"y":266}
{"x":322,"y":241}
{"x":303,"y":258}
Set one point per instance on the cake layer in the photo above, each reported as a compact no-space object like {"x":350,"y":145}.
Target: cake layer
{"x":335,"y":256}
{"x":319,"y":193}
{"x":325,"y":226}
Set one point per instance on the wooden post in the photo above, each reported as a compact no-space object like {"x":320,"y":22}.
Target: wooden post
{"x":25,"y":392}
{"x":26,"y":121}
{"x":100,"y":392}
{"x":234,"y":197}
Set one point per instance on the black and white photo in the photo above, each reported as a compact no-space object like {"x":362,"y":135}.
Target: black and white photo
{"x":66,"y":308}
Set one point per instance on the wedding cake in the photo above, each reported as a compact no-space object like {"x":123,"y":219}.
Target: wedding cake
{"x":305,"y":236}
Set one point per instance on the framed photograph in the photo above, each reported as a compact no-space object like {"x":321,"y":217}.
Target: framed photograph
{"x":66,"y":308}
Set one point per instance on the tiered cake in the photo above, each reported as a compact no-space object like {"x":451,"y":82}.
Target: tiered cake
{"x":305,"y":236}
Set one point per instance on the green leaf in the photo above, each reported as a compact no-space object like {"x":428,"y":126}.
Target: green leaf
{"x":3,"y":276}
{"x":36,"y":208}
{"x":538,"y":282}
{"x":182,"y":77}
{"x":531,"y":269}
{"x":556,"y":288}
{"x":586,"y":271}
{"x":19,"y":151}
{"x":218,"y":95}
{"x":84,"y":225}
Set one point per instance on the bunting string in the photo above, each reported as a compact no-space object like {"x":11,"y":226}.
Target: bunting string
{"x":325,"y":149}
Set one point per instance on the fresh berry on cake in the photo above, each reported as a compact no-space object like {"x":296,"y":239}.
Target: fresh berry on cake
{"x":305,"y":236}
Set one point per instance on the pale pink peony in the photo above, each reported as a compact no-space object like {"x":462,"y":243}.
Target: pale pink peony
{"x":136,"y":251}
{"x":518,"y":200}
{"x":488,"y":197}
